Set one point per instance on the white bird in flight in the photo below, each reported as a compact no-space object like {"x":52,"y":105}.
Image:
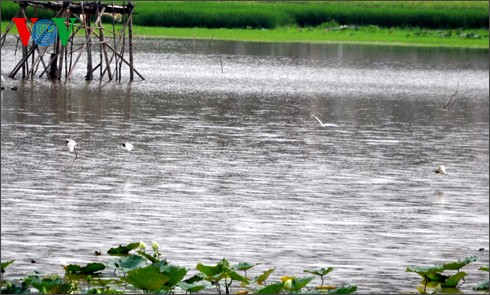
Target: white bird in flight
{"x":71,"y":146}
{"x":129,"y":147}
{"x":325,"y":124}
{"x":440,"y":170}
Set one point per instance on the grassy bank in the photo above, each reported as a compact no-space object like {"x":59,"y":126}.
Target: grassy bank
{"x":336,"y":34}
{"x":327,"y":33}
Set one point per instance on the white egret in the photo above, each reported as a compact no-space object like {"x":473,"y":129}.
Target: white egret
{"x":441,"y":170}
{"x":71,"y":146}
{"x":325,"y":124}
{"x":128,"y":146}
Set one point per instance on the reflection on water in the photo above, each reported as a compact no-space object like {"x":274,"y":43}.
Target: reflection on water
{"x":233,"y":164}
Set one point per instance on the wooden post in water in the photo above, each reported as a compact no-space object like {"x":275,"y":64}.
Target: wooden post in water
{"x":130,"y":44}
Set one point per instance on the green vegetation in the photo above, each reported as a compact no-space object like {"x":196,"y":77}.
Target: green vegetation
{"x":327,"y":34}
{"x":435,"y":281}
{"x":135,"y":270}
{"x":261,"y":14}
{"x":412,"y":23}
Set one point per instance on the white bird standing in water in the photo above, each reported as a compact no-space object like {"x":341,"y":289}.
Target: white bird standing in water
{"x":325,"y":124}
{"x":440,"y":170}
{"x":129,"y":147}
{"x":71,"y":146}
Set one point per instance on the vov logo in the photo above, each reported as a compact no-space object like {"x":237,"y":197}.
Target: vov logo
{"x":44,"y":31}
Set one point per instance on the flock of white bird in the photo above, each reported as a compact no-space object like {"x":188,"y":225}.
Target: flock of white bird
{"x":70,"y":143}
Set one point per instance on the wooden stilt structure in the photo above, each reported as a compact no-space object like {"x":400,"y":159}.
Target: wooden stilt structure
{"x":57,"y":59}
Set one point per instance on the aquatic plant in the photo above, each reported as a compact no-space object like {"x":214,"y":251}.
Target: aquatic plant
{"x":221,"y":271}
{"x":432,"y":277}
{"x":483,"y":285}
{"x":136,"y":270}
{"x":321,"y":272}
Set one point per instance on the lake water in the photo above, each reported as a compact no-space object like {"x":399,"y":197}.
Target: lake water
{"x":228,"y":161}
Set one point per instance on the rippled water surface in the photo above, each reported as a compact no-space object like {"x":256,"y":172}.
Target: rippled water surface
{"x":228,"y":161}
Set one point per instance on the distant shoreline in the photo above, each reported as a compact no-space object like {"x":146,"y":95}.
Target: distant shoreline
{"x":368,"y":35}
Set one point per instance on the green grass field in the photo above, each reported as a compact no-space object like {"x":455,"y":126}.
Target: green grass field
{"x":361,"y":35}
{"x":416,"y":23}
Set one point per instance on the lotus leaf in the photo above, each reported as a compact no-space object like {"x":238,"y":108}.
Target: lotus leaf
{"x":453,"y":281}
{"x":321,"y":272}
{"x":484,"y":268}
{"x":235,"y":276}
{"x":299,"y":283}
{"x":211,"y":271}
{"x":456,"y":265}
{"x":15,"y":289}
{"x":127,"y":263}
{"x":148,"y":278}
{"x":174,"y":273}
{"x":271,"y":289}
{"x":482,"y":286}
{"x":106,"y":290}
{"x":53,"y":285}
{"x":244,"y":266}
{"x":123,"y":250}
{"x":90,"y":268}
{"x":425,"y":271}
{"x":5,"y":264}
{"x":344,"y":289}
{"x":193,"y":279}
{"x":261,"y":279}
{"x":194,"y":287}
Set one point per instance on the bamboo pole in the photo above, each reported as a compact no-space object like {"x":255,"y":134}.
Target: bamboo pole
{"x":130,"y":42}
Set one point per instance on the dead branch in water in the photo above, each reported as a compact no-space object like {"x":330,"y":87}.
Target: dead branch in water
{"x":451,"y":98}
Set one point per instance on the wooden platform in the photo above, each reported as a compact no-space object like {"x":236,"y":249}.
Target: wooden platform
{"x":58,"y":61}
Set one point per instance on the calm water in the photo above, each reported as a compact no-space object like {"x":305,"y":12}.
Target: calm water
{"x":228,"y":161}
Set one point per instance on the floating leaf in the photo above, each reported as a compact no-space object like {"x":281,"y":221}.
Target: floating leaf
{"x":425,"y":271}
{"x":261,"y":279}
{"x":453,"y":281}
{"x":484,"y":268}
{"x":456,"y":265}
{"x":321,"y":272}
{"x":482,"y":286}
{"x":148,"y":279}
{"x":127,"y":263}
{"x":90,"y":268}
{"x":123,"y":250}
{"x":271,"y":289}
{"x":194,"y":287}
{"x":344,"y":289}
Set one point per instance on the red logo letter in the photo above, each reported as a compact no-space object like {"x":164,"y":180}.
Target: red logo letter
{"x":24,"y":33}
